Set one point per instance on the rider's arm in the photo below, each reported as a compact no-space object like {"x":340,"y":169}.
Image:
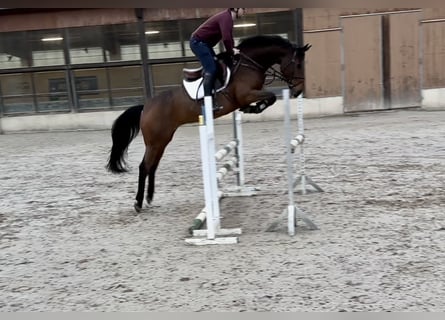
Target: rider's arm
{"x":226,"y":26}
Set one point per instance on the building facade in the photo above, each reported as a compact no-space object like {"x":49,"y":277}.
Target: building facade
{"x":76,"y":61}
{"x":375,"y":59}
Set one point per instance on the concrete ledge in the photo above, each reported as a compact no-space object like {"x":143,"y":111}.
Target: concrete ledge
{"x":433,"y":99}
{"x":61,"y":121}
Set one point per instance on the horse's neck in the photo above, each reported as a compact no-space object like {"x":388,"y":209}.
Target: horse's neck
{"x":266,"y":58}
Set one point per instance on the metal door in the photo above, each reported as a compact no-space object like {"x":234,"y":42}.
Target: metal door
{"x":362,"y":64}
{"x":404,"y":74}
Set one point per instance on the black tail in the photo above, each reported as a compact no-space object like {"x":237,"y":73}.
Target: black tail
{"x":125,"y":129}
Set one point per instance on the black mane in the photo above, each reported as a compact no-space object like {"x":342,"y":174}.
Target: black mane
{"x":264,"y":41}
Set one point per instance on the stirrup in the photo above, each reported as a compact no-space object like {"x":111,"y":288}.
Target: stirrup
{"x":216,"y":107}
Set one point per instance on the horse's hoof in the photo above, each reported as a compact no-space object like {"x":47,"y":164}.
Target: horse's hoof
{"x":137,"y":207}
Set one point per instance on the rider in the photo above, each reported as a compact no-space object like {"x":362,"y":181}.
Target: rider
{"x":216,"y":28}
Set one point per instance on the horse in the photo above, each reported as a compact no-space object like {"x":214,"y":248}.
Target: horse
{"x":161,"y":115}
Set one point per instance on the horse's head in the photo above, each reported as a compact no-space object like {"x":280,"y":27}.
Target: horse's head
{"x":264,"y":51}
{"x":292,"y":70}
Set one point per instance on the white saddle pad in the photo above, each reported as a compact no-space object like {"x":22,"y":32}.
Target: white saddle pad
{"x":195,"y":88}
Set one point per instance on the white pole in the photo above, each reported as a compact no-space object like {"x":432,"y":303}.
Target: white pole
{"x":206,"y":176}
{"x":212,"y":161}
{"x":301,"y":131}
{"x":238,"y":133}
{"x":207,"y":138}
{"x":290,"y":177}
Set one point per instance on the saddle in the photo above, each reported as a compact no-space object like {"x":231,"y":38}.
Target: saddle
{"x":193,"y":79}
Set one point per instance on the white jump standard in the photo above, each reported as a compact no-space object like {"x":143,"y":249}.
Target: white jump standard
{"x":298,"y":141}
{"x":214,"y":234}
{"x":292,"y":212}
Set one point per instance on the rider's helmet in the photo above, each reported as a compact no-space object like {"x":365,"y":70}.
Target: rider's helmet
{"x":236,"y":10}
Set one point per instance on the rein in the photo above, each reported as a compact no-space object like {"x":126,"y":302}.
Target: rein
{"x":271,"y":71}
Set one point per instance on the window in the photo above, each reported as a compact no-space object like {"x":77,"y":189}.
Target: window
{"x":51,"y":91}
{"x":121,"y":42}
{"x":164,"y":40}
{"x":92,"y":88}
{"x":245,"y":27}
{"x":31,"y":49}
{"x":106,"y":87}
{"x":16,"y":91}
{"x":86,"y":45}
{"x":279,"y":23}
{"x":126,"y":86}
{"x":46,"y":47}
{"x":104,"y":43}
{"x":13,"y":50}
{"x":169,"y":76}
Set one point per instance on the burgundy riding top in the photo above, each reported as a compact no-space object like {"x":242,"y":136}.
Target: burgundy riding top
{"x":216,"y":28}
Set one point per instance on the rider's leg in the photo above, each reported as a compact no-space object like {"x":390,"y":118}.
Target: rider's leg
{"x":206,"y":56}
{"x":209,"y":83}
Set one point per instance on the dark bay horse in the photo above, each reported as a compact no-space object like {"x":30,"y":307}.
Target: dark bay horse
{"x":161,"y":116}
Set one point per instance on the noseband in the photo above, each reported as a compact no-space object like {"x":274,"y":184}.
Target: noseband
{"x":291,"y":63}
{"x":271,"y":71}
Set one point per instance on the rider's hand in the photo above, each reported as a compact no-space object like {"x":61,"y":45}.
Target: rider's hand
{"x":235,"y":51}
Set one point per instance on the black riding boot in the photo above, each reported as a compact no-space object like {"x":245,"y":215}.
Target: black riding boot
{"x":208,"y":84}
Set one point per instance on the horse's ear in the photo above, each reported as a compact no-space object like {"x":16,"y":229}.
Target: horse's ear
{"x":307,"y":47}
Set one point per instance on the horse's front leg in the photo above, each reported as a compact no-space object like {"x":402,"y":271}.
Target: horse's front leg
{"x":263,"y":100}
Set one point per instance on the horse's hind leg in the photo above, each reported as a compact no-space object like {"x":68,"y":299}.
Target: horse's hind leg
{"x":141,"y":186}
{"x":151,"y":166}
{"x":151,"y":182}
{"x":148,"y":167}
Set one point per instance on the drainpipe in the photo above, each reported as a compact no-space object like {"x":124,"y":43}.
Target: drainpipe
{"x":148,"y":83}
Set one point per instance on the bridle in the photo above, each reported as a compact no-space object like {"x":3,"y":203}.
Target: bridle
{"x":272,"y":72}
{"x":294,"y":77}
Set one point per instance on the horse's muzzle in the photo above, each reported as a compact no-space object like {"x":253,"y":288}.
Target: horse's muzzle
{"x":296,"y":93}
{"x":297,"y":89}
